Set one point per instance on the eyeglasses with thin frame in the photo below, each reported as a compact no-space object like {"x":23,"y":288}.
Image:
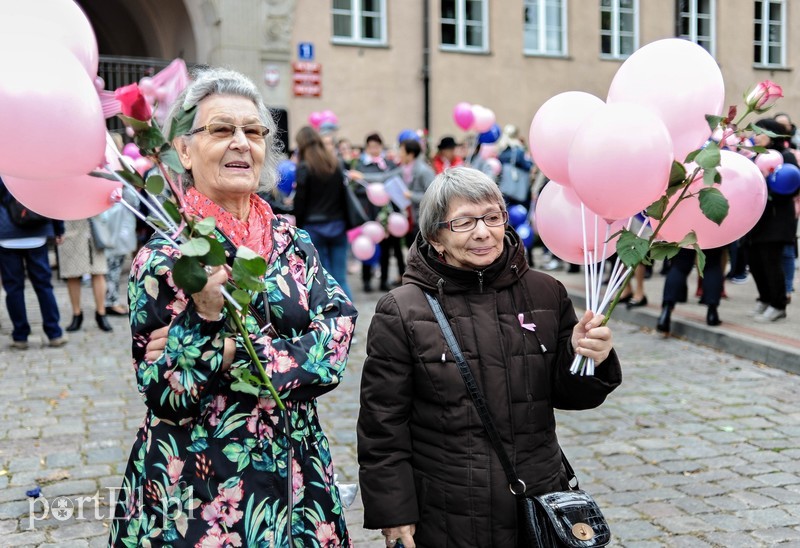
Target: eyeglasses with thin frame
{"x":226,"y":130}
{"x":465,"y":224}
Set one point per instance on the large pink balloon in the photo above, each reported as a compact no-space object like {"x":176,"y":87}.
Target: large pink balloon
{"x":374,"y":231}
{"x":558,"y":223}
{"x":746,"y":191}
{"x":376,"y":193}
{"x":769,"y":161}
{"x":363,"y":248}
{"x":52,"y":121}
{"x":462,"y":115}
{"x":60,"y":21}
{"x":553,"y":128}
{"x":620,"y":160}
{"x":680,"y":81}
{"x":397,"y":224}
{"x":69,"y":198}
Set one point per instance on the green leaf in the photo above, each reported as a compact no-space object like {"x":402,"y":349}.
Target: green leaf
{"x":183,"y":122}
{"x":713,"y":121}
{"x":216,"y":254}
{"x":656,"y":209}
{"x":196,"y":247}
{"x":757,"y":150}
{"x":246,"y":253}
{"x":189,"y":275}
{"x":710,"y":176}
{"x":136,"y":125}
{"x":713,"y":204}
{"x":663,"y":250}
{"x":677,"y":174}
{"x":206,"y":226}
{"x":245,"y":275}
{"x":103,"y":175}
{"x":149,"y":140}
{"x":169,"y":156}
{"x":709,"y":157}
{"x":242,"y":297}
{"x":155,"y":184}
{"x":701,"y":259}
{"x":632,"y":249}
{"x":172,"y":210}
{"x":692,"y":155}
{"x":689,"y":239}
{"x":760,"y":130}
{"x":132,"y":177}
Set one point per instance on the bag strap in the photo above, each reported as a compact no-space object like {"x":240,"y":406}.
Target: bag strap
{"x":514,"y":481}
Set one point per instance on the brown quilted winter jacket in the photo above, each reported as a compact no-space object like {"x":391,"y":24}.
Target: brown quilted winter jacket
{"x":423,"y":453}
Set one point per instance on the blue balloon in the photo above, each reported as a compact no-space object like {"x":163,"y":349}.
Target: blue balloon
{"x":525,"y":232}
{"x":375,"y":260}
{"x":785,"y":180}
{"x":490,"y":136}
{"x":407,"y":135}
{"x":288,"y":172}
{"x":517,"y":215}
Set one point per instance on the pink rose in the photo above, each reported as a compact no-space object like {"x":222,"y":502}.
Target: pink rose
{"x":763,"y":96}
{"x":134,"y":105}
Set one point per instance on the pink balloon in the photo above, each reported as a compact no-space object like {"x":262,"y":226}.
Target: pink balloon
{"x":484,"y":118}
{"x":488,"y":150}
{"x":620,"y":160}
{"x":69,"y":198}
{"x":680,"y":81}
{"x":376,"y":193}
{"x":746,"y":192}
{"x":769,"y":161}
{"x":374,"y":231}
{"x":363,"y":248}
{"x":329,"y":116}
{"x":558,"y":223}
{"x":397,"y":224}
{"x":142,"y":165}
{"x":162,"y":94}
{"x":132,"y":151}
{"x":99,"y":84}
{"x":553,"y":128}
{"x":462,"y":115}
{"x":55,"y":21}
{"x":147,"y":87}
{"x":315,"y":119}
{"x":354,"y":233}
{"x":495,"y":165}
{"x":54,"y":110}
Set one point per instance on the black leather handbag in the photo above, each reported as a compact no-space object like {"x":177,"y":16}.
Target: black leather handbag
{"x":561,"y":519}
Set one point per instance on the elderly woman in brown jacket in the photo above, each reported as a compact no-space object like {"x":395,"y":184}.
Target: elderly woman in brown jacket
{"x":429,"y":475}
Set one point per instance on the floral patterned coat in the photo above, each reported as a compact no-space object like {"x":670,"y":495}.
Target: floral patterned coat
{"x":209,"y":466}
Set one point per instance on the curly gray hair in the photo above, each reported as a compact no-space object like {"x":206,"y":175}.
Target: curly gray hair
{"x":220,"y":81}
{"x":457,"y":182}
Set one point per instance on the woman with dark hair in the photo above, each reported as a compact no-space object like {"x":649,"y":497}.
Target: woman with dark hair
{"x":776,"y":228}
{"x":319,"y":204}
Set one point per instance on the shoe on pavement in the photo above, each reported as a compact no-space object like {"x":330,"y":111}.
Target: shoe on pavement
{"x":770,"y":315}
{"x":19,"y":345}
{"x":758,"y":309}
{"x":739,"y":280}
{"x":58,"y":341}
{"x":552,"y":264}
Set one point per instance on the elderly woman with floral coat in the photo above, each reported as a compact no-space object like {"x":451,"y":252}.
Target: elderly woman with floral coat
{"x":216,"y":462}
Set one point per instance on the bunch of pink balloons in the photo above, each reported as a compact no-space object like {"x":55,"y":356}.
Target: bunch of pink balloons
{"x":376,"y":193}
{"x":326,"y":117}
{"x":49,"y":60}
{"x":471,"y":117}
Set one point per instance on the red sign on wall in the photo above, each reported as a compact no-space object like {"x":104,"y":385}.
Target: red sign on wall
{"x":306,"y":79}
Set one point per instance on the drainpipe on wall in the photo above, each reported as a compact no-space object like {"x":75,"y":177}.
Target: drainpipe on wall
{"x":426,"y":56}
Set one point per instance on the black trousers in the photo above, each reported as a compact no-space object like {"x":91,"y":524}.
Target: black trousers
{"x":675,"y":288}
{"x":765,"y":266}
{"x":391,"y":245}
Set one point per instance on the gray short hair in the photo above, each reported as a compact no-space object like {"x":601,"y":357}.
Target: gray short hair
{"x":220,"y":81}
{"x":456,"y":182}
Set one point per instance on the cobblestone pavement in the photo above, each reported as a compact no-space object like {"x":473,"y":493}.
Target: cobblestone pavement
{"x":697,"y":448}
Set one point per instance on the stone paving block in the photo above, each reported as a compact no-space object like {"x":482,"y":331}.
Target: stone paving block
{"x":24,"y":464}
{"x":777,"y":479}
{"x":29,"y":538}
{"x":88,"y":528}
{"x":63,"y":460}
{"x":688,"y":541}
{"x":106,"y":455}
{"x":767,"y":518}
{"x":67,"y":544}
{"x":679,"y":525}
{"x":779,"y":535}
{"x":635,"y":530}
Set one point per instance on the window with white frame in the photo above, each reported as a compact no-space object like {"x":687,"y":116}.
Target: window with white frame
{"x":359,"y":21}
{"x":619,"y":28}
{"x":545,"y":30}
{"x":696,"y":22}
{"x":464,"y":25}
{"x":769,"y":43}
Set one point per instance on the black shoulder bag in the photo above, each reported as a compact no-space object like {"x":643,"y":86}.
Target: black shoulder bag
{"x":561,"y":519}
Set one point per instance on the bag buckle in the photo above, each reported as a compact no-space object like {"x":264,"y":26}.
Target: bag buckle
{"x":519,"y":483}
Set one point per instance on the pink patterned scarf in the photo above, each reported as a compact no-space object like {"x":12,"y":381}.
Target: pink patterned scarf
{"x":255,"y":233}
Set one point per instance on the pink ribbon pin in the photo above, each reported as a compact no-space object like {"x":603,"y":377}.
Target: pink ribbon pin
{"x":529,"y":326}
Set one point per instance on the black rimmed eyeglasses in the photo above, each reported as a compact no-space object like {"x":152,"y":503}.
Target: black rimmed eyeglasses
{"x":465,"y":224}
{"x":226,"y":130}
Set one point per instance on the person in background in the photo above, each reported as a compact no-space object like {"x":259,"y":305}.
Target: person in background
{"x":418,"y":176}
{"x":320,"y":202}
{"x":789,"y":259}
{"x":79,"y":254}
{"x":24,"y":250}
{"x":344,"y":150}
{"x":429,"y":475}
{"x":446,"y":155}
{"x":121,"y":226}
{"x":767,"y":240}
{"x":253,"y":474}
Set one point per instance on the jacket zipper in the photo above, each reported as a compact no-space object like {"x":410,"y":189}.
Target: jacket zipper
{"x":480,"y":281}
